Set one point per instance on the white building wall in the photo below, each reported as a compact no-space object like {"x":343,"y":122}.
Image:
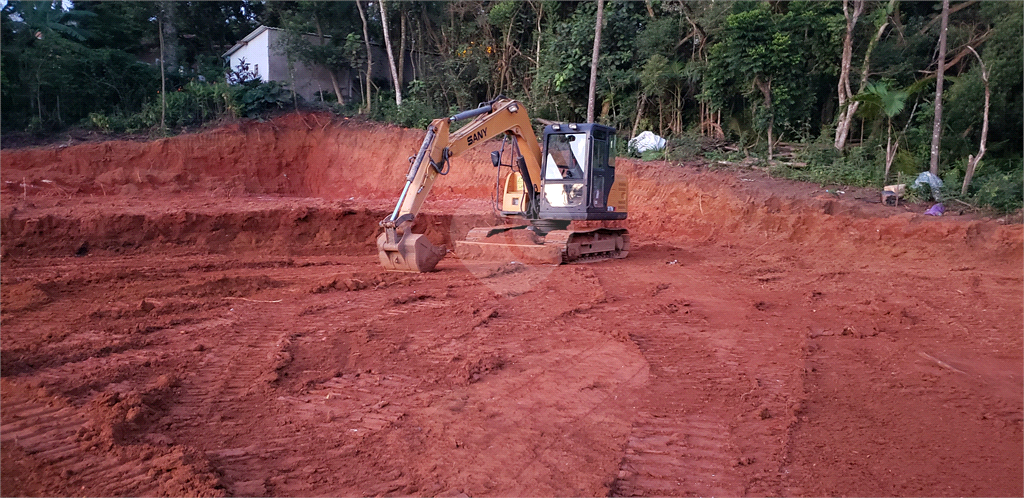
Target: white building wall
{"x":256,"y":54}
{"x":263,"y":52}
{"x":306,"y":80}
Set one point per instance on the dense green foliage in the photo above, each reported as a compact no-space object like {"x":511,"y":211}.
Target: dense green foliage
{"x":696,"y":72}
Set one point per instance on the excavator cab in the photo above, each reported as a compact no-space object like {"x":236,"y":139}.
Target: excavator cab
{"x":579,"y":174}
{"x":578,"y":177}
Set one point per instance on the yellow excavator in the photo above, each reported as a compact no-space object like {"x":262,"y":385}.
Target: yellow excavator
{"x":571,"y":178}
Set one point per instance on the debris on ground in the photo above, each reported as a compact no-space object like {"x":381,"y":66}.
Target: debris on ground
{"x":646,"y":141}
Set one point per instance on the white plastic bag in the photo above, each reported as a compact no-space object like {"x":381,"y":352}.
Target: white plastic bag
{"x":647,"y":141}
{"x":933,"y":182}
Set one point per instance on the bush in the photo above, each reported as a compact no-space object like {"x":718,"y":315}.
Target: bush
{"x":413,"y":113}
{"x":191,"y":105}
{"x":825,"y":165}
{"x":115,"y":123}
{"x":254,"y":98}
{"x":1001,"y":191}
{"x":686,"y":146}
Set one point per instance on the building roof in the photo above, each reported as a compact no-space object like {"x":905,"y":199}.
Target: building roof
{"x":248,"y":38}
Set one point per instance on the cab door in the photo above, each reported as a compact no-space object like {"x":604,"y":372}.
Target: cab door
{"x":564,"y":191}
{"x":602,"y":174}
{"x":604,"y":196}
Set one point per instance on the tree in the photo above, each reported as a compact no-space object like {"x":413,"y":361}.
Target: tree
{"x":47,"y":49}
{"x":334,"y":48}
{"x":209,"y":28}
{"x":847,"y":109}
{"x":591,"y":96}
{"x":46,"y":19}
{"x":773,"y":61}
{"x":937,"y":125}
{"x":169,"y":32}
{"x":847,"y":106}
{"x":391,"y":54}
{"x":161,"y":21}
{"x":561,"y":87}
{"x":369,"y":57}
{"x":515,"y":24}
{"x":973,"y":160}
{"x":885,"y":101}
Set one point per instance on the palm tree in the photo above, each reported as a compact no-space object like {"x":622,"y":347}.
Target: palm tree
{"x":42,"y":19}
{"x":881,"y":100}
{"x":41,"y":30}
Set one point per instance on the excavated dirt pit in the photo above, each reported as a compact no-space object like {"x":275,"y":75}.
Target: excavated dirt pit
{"x":206,"y":315}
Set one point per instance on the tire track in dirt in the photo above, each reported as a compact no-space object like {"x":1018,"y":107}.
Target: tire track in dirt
{"x":537,"y":418}
{"x":675,"y":446}
{"x":238,"y":365}
{"x":55,"y":434}
{"x":247,"y":352}
{"x":708,"y":422}
{"x":229,"y":369}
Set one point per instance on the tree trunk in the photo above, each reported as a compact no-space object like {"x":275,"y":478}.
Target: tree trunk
{"x":418,"y":44}
{"x":401,"y":52}
{"x":337,"y":87}
{"x":163,"y":80}
{"x":592,"y":96}
{"x":766,"y":90}
{"x":540,"y":14}
{"x":639,"y":113}
{"x":677,"y":118}
{"x":890,"y":152}
{"x":369,"y":56}
{"x":170,"y":34}
{"x":972,"y":161}
{"x":846,"y":119}
{"x":391,"y":54}
{"x":939,"y":76}
{"x":843,"y":126}
{"x":505,"y":77}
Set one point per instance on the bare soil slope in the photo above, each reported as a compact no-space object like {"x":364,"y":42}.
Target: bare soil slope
{"x":205,"y":315}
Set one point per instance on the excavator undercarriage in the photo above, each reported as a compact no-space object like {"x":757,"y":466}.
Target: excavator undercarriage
{"x":556,"y":247}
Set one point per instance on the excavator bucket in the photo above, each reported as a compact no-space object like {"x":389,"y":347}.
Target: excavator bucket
{"x":411,"y":252}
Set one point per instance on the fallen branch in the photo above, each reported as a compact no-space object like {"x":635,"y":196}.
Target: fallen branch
{"x":253,"y":300}
{"x":940,"y":362}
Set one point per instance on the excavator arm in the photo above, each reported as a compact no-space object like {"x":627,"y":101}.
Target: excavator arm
{"x":402,"y":250}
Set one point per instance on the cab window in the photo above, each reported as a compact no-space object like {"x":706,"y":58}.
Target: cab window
{"x":567,"y":157}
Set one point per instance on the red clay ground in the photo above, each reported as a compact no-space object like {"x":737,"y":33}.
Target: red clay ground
{"x":206,"y":315}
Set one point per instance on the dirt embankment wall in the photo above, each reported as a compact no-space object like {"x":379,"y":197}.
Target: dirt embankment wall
{"x":313,"y":155}
{"x":681,"y":205}
{"x":305,"y":155}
